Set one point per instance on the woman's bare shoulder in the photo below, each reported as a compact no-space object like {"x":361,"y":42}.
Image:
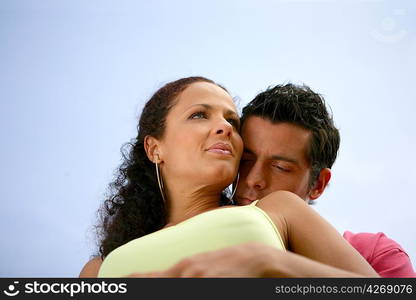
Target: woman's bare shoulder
{"x":279,"y":206}
{"x":90,"y":270}
{"x":280,"y":201}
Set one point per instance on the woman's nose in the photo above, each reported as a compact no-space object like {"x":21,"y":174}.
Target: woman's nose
{"x":224,"y":128}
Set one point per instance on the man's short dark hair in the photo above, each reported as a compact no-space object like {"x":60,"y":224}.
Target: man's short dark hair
{"x":301,"y":106}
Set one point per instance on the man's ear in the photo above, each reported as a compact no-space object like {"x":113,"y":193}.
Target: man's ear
{"x":152,"y":148}
{"x":320,"y":184}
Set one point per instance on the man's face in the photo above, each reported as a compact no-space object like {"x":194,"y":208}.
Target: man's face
{"x":274,"y":158}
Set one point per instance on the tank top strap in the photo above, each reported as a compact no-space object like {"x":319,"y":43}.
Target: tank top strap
{"x":254,"y":202}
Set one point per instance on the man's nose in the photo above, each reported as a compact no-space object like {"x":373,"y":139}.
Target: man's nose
{"x":255,"y":178}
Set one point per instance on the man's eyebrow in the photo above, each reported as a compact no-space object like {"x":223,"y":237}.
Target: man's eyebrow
{"x":284,"y":158}
{"x":274,"y":157}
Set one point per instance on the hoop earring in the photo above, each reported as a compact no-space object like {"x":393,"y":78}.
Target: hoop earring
{"x":160,"y":182}
{"x":236,"y":185}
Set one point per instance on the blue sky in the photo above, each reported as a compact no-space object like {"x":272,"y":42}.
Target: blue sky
{"x":75,"y":74}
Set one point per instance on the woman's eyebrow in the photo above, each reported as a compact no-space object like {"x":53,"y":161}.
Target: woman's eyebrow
{"x":210,"y":107}
{"x":207,"y":106}
{"x":231,"y":112}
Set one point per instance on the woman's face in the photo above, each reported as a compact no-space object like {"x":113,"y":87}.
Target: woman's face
{"x":201,"y":143}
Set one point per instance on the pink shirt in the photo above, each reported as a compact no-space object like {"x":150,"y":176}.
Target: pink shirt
{"x":386,"y":257}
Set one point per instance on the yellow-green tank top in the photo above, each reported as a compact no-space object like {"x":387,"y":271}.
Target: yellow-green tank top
{"x":211,"y":230}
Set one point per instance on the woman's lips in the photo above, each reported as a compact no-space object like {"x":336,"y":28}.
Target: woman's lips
{"x":220,"y":151}
{"x":220,"y":148}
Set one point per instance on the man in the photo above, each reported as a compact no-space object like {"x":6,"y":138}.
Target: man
{"x":290,"y":144}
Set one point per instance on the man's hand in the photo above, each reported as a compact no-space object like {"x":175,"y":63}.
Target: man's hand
{"x":251,"y":260}
{"x":246,"y":260}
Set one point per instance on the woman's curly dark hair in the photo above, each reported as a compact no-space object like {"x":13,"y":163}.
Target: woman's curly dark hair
{"x":135,"y":206}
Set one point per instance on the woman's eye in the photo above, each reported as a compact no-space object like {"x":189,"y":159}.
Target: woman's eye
{"x":198,"y":115}
{"x":234,"y":122}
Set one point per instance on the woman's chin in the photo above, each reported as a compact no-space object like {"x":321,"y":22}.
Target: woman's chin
{"x":225,"y":176}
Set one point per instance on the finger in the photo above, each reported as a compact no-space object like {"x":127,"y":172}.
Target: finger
{"x":137,"y":275}
{"x":144,"y":275}
{"x":180,"y":269}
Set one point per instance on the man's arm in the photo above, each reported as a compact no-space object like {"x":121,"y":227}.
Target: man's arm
{"x":393,"y":263}
{"x":249,"y":260}
{"x":320,"y":249}
{"x":309,"y":235}
{"x":385,"y":255}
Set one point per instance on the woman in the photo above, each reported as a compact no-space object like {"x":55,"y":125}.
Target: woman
{"x":167,"y":195}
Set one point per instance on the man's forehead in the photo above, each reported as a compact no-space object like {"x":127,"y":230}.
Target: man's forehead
{"x":275,"y":139}
{"x":263,"y":126}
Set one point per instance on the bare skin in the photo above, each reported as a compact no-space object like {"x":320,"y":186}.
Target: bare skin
{"x":91,"y":268}
{"x":204,"y":120}
{"x":318,"y":249}
{"x":315,"y":255}
{"x":249,"y":260}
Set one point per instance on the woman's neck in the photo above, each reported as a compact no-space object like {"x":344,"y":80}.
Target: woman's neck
{"x":184,"y":204}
